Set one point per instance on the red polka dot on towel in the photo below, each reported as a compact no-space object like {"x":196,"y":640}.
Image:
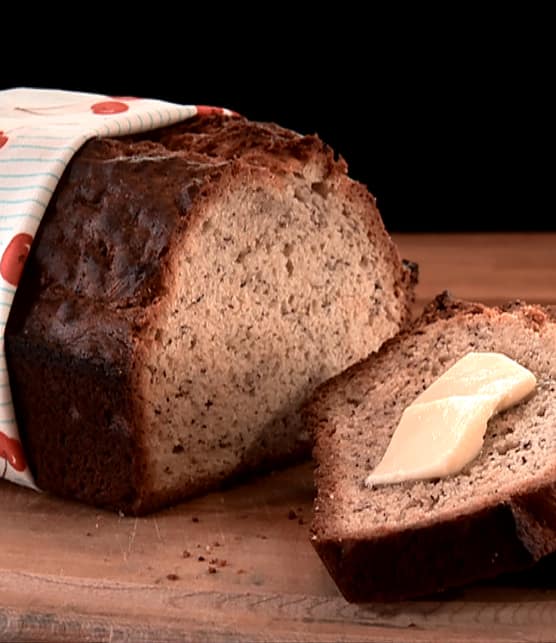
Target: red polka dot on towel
{"x":14,"y":257}
{"x":12,"y":451}
{"x":109,"y":107}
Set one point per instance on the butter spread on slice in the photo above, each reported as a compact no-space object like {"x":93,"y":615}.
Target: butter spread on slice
{"x":444,"y":428}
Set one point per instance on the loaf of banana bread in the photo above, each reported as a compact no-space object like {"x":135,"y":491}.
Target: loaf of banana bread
{"x":187,"y":290}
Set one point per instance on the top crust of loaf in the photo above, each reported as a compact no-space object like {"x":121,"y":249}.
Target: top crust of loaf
{"x":488,"y":538}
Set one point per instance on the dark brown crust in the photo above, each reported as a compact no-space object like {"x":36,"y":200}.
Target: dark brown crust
{"x":98,"y":267}
{"x":502,"y":538}
{"x":95,"y":422}
{"x":505,"y":537}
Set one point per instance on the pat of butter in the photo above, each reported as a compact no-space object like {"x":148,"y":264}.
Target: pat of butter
{"x":444,"y":428}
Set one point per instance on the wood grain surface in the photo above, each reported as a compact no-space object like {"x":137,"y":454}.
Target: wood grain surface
{"x":238,"y":565}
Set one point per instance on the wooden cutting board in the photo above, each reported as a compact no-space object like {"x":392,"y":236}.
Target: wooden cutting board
{"x":238,"y":565}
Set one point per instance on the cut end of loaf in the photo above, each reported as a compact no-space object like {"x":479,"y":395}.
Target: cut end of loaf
{"x":423,"y":536}
{"x":278,"y":286}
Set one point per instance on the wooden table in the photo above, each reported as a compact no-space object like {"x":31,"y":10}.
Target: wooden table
{"x":238,"y":565}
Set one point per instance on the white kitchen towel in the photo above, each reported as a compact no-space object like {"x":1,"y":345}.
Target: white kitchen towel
{"x":40,"y":131}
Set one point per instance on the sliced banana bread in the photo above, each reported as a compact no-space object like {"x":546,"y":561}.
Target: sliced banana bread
{"x":414,"y":538}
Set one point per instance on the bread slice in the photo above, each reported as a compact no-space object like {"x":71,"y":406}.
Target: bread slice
{"x":415,"y":538}
{"x":187,"y":290}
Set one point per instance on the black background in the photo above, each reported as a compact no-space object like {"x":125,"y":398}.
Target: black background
{"x":447,"y":119}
